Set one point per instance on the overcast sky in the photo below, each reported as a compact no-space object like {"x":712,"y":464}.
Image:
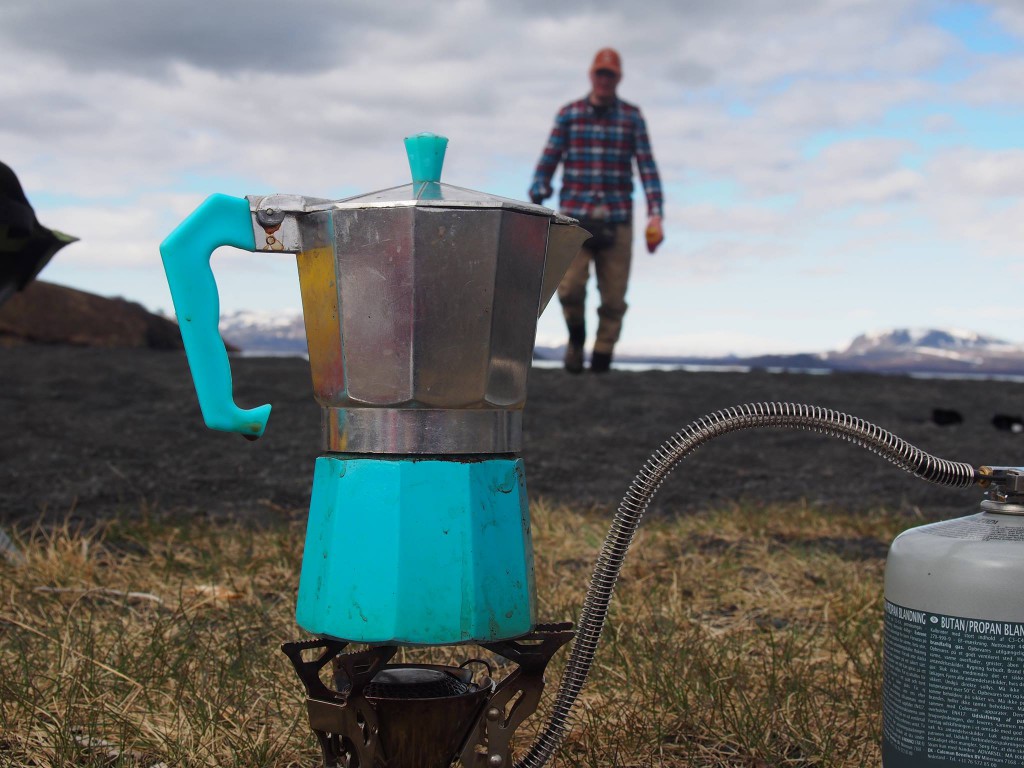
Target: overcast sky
{"x":830,"y":166}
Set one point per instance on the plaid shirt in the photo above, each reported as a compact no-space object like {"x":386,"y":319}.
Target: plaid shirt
{"x":596,"y":155}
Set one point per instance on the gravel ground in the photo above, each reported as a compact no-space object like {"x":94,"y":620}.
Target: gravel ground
{"x":90,"y":433}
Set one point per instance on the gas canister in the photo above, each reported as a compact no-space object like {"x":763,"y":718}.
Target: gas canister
{"x":953,"y":690}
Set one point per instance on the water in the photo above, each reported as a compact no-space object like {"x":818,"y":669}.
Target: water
{"x":633,"y":365}
{"x":1015,"y":378}
{"x":638,"y":366}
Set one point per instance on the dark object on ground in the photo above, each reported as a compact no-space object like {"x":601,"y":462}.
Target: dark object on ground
{"x":94,"y":433}
{"x":1008,"y":423}
{"x":26,"y":246}
{"x":54,"y":314}
{"x":945,"y":417}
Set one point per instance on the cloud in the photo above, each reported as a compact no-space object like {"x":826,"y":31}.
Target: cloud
{"x":315,"y":97}
{"x":975,"y":200}
{"x":121,"y":117}
{"x":116,"y":235}
{"x":816,"y":104}
{"x":997,"y":83}
{"x":257,"y":35}
{"x":1008,"y":14}
{"x":707,"y":217}
{"x":723,"y":257}
{"x":859,"y":172}
{"x":979,"y":173}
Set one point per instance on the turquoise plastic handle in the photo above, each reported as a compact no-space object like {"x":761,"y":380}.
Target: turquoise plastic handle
{"x":219,"y":220}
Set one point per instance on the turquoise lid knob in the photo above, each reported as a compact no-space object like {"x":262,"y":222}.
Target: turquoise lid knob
{"x":426,"y":156}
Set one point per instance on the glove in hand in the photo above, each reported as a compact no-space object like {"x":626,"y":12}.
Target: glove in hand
{"x":654,"y":234}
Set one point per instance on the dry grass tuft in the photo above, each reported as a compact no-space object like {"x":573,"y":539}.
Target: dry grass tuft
{"x":740,"y":638}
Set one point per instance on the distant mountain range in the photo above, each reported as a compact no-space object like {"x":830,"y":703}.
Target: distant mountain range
{"x":901,"y":350}
{"x":265,"y":333}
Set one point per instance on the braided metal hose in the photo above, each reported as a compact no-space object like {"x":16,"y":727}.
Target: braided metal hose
{"x":654,"y":472}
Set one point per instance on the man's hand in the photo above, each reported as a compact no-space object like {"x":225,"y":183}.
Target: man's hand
{"x":539,"y":192}
{"x":654,"y":233}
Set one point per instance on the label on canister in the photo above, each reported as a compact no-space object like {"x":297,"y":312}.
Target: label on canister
{"x":980,"y":527}
{"x":953,"y":691}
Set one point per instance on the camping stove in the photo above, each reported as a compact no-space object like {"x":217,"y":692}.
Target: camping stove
{"x":421,"y":305}
{"x":422,"y":715}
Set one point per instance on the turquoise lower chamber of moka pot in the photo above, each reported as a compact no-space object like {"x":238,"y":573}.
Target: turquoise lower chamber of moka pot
{"x":417,"y":550}
{"x":420,"y":305}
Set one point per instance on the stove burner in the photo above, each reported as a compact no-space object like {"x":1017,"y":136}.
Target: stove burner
{"x":421,"y":715}
{"x":413,"y":682}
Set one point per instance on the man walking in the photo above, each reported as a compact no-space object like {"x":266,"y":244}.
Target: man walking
{"x":596,"y":139}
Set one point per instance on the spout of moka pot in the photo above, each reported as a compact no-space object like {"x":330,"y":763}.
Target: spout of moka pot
{"x":565,"y":239}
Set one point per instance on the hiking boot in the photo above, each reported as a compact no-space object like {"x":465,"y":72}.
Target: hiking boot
{"x":574,"y":358}
{"x":600,"y":362}
{"x":574,"y":348}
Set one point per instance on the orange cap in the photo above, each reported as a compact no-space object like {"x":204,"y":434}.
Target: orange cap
{"x":607,"y":58}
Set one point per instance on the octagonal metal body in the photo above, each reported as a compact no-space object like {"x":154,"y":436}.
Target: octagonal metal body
{"x":422,"y":307}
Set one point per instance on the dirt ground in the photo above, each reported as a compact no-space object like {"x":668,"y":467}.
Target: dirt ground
{"x":91,"y":433}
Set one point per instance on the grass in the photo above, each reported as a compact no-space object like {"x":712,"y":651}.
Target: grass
{"x":745,"y":637}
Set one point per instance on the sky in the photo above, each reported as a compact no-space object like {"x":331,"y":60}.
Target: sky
{"x":830,"y":167}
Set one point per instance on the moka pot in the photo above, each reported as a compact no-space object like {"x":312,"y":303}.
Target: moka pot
{"x":421,"y":305}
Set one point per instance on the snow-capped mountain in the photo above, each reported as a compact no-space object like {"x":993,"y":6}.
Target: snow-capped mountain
{"x":265,"y":333}
{"x":929,"y":349}
{"x":945,"y":341}
{"x":899,"y":350}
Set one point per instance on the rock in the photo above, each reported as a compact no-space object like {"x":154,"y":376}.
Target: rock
{"x":1008,"y":423}
{"x":945,"y":417}
{"x":46,"y":313}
